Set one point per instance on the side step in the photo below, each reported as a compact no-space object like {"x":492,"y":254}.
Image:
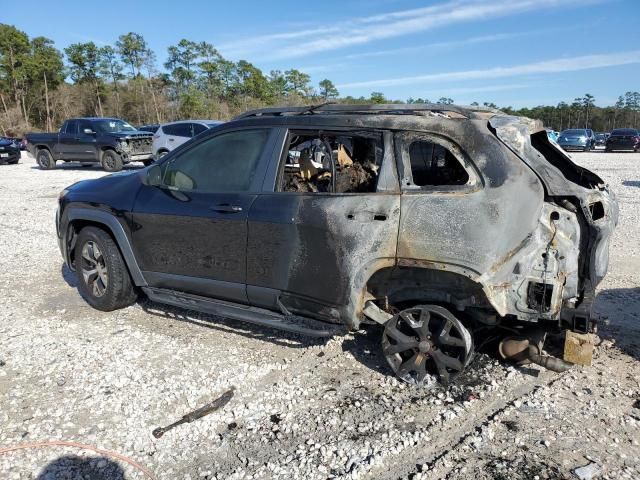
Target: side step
{"x":259,"y":316}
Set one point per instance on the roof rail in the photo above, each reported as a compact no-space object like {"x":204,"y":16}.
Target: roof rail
{"x":340,"y":108}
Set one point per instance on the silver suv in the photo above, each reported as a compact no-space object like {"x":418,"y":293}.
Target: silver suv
{"x":174,"y":134}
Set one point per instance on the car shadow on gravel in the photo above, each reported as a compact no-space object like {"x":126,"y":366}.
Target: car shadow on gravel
{"x":72,"y":466}
{"x":618,"y":314}
{"x":213,"y":322}
{"x":69,"y":276}
{"x":631,"y":183}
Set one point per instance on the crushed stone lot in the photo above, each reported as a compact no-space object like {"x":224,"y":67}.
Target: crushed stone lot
{"x":302,"y":408}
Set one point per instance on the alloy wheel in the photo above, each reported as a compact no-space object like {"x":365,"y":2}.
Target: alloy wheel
{"x":425,"y":343}
{"x":43,"y":160}
{"x":94,"y":269}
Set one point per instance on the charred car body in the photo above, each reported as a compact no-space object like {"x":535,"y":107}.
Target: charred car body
{"x":111,"y":142}
{"x":429,"y":220}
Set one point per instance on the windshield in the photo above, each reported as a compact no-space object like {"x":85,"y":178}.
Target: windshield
{"x":574,"y":132}
{"x":110,"y":126}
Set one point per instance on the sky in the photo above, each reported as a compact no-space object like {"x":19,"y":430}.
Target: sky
{"x":519,"y":53}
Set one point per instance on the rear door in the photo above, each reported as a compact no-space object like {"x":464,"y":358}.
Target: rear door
{"x":314,"y":241}
{"x":190,"y":233}
{"x":177,"y":134}
{"x":68,"y":141}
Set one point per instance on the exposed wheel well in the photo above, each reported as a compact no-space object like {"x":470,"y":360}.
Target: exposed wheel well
{"x":401,"y":285}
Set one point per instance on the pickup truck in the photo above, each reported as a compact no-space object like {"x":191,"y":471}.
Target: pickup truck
{"x":111,"y":142}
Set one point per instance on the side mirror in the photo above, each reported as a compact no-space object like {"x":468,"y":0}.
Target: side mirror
{"x":154,"y":176}
{"x":88,"y":131}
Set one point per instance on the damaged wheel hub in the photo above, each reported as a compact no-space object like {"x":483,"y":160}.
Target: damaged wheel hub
{"x":426,"y":343}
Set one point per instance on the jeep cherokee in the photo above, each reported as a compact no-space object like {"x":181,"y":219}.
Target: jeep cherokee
{"x":434,"y":221}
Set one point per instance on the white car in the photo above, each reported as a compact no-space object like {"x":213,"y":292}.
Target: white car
{"x":173,"y":134}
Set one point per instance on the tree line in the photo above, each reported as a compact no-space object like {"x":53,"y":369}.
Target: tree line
{"x":40,"y":86}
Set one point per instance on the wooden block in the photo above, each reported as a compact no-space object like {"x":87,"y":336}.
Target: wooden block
{"x":578,"y":348}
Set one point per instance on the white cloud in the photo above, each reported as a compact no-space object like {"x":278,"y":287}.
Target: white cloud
{"x":570,"y":64}
{"x":472,"y":90}
{"x":422,"y":48}
{"x":365,"y":30}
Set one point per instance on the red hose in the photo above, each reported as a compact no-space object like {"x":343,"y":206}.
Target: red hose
{"x":64,"y":443}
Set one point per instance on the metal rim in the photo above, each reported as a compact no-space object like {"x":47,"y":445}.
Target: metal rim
{"x":109,"y":161}
{"x":426,"y":342}
{"x":94,"y":269}
{"x":43,"y":159}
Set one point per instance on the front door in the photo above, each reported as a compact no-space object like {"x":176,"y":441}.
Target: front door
{"x":330,"y":219}
{"x":190,"y":233}
{"x":85,"y":148}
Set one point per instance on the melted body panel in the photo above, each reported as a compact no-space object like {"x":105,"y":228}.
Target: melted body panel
{"x":525,"y":237}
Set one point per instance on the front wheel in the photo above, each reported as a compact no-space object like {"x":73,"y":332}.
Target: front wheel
{"x":45,"y":159}
{"x":111,"y":161}
{"x":103,"y":278}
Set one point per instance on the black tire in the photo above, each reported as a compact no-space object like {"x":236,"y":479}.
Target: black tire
{"x":111,"y":161}
{"x":103,"y":278}
{"x":44,"y":159}
{"x":14,"y":162}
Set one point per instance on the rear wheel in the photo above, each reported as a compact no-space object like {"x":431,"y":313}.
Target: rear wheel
{"x":103,"y":277}
{"x":45,"y":160}
{"x":425,"y":343}
{"x":111,"y":161}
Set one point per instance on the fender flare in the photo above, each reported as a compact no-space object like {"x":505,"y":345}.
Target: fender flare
{"x":116,"y":229}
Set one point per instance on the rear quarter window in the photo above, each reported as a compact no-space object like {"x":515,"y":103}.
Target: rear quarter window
{"x":434,"y":165}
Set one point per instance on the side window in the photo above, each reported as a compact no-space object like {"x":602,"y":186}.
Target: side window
{"x":198,"y":129}
{"x":72,"y":127}
{"x":225,"y":163}
{"x":178,"y":130}
{"x":323,"y":162}
{"x":82,"y":125}
{"x":433,"y":164}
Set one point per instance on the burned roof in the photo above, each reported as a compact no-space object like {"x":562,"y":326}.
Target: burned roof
{"x":451,"y":111}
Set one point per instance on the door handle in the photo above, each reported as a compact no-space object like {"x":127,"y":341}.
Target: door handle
{"x":226,"y":208}
{"x":171,"y":139}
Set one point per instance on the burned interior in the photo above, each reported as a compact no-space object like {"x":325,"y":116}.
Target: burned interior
{"x":326,"y":162}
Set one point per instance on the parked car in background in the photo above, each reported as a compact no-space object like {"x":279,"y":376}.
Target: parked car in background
{"x":152,"y":128}
{"x":110,"y":142}
{"x":601,"y":139}
{"x":623,"y":139}
{"x":577,"y":139}
{"x":174,"y":134}
{"x":9,"y":151}
{"x":303,"y":217}
{"x":21,"y":143}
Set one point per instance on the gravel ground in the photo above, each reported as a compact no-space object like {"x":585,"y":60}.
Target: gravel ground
{"x":302,"y":409}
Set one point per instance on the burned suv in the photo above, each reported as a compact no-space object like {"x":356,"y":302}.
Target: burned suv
{"x":434,"y":221}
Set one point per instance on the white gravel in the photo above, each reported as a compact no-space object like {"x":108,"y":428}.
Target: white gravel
{"x":302,"y":409}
